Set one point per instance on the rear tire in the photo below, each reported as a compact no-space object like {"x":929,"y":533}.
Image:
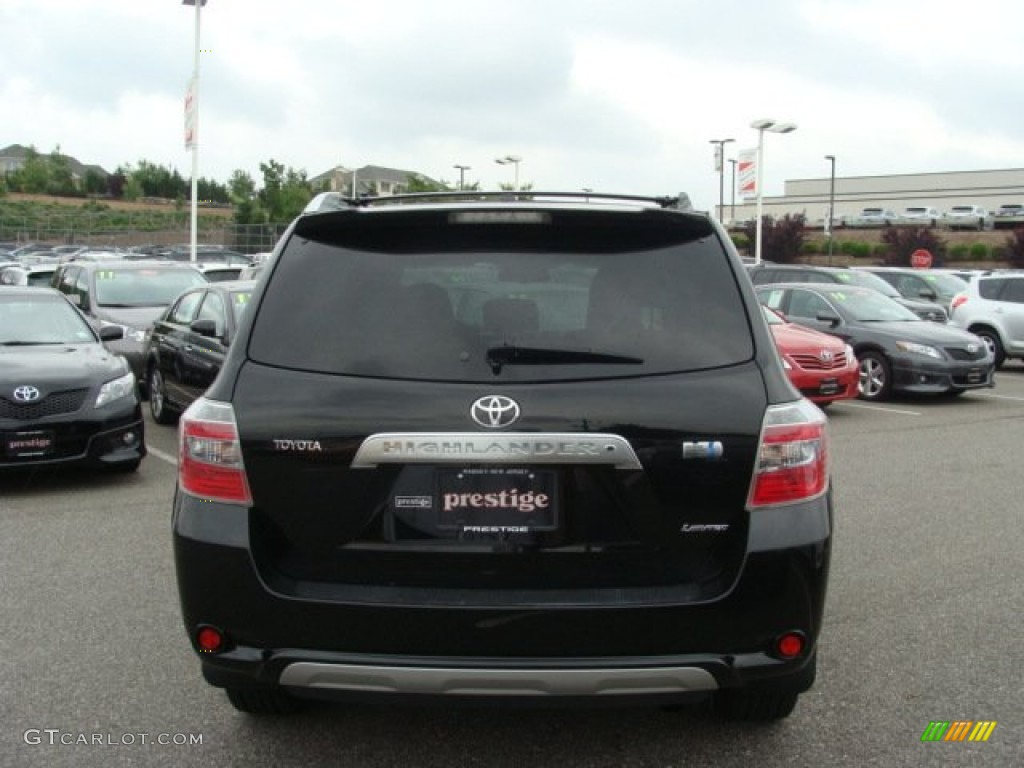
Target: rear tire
{"x":875,"y":376}
{"x":755,"y":706}
{"x":260,"y":701}
{"x":162,"y":413}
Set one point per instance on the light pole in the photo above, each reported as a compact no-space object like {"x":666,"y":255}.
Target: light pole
{"x":192,"y":135}
{"x":829,"y":222}
{"x":514,"y":160}
{"x":720,"y":169}
{"x":732,"y":203}
{"x":762,"y":125}
{"x":462,"y":175}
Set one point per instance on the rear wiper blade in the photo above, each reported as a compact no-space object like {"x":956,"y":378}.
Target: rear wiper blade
{"x":513,"y":355}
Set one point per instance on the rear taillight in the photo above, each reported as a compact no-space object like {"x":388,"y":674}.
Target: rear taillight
{"x":792,"y":459}
{"x":958,"y":301}
{"x":210,"y":454}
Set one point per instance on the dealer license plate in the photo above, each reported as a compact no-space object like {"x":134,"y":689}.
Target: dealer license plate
{"x":829,"y":387}
{"x":23,"y":445}
{"x":497,"y":500}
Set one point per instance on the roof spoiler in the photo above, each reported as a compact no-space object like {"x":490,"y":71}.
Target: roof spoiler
{"x":335,"y":201}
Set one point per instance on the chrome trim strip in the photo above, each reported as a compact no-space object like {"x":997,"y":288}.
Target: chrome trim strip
{"x":495,"y":448}
{"x":498,"y":682}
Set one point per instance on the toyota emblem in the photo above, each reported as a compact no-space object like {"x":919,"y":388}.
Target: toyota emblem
{"x":825,"y":355}
{"x":26,"y":394}
{"x":494,"y":411}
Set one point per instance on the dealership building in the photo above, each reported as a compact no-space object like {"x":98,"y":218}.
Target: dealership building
{"x":989,"y":189}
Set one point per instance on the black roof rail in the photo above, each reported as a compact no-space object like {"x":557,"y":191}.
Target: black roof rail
{"x":335,"y":201}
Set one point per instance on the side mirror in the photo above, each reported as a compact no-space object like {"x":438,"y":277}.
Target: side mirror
{"x":828,"y":317}
{"x":928,"y":294}
{"x":111,"y":333}
{"x":204,"y":327}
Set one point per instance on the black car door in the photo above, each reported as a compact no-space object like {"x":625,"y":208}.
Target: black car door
{"x":203,"y":354}
{"x":170,"y":339}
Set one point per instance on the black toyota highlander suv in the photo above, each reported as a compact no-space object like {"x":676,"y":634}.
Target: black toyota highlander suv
{"x":520,"y":448}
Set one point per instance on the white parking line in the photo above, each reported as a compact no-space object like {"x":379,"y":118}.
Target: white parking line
{"x":882,"y":408}
{"x":999,"y":397}
{"x":172,"y":460}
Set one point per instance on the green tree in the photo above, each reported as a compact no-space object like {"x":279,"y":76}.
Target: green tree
{"x":59,"y":179}
{"x":159,"y":181}
{"x":212,"y":191}
{"x":33,"y":177}
{"x":132,"y":189}
{"x":415,"y":183}
{"x":512,"y":187}
{"x":242,"y":195}
{"x":285,"y":191}
{"x":94,"y":183}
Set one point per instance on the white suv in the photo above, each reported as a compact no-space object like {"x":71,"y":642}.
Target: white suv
{"x":968,"y":217}
{"x":992,"y":307}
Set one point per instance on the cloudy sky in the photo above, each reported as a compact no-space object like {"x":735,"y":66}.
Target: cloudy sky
{"x":613,"y":96}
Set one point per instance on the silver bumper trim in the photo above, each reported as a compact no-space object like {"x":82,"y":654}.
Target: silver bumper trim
{"x":495,"y":448}
{"x":499,"y":682}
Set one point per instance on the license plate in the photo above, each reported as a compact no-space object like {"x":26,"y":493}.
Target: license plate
{"x":497,"y":500}
{"x":829,"y":387}
{"x":23,"y":445}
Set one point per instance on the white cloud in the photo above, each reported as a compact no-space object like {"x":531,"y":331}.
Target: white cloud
{"x":596,"y":94}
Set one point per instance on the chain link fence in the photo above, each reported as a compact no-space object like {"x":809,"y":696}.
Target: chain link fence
{"x":137,"y":228}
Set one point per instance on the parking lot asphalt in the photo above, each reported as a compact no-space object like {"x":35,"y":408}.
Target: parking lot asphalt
{"x":922,"y":624}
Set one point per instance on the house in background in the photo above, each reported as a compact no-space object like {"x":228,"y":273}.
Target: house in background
{"x":12,"y":158}
{"x":370,"y":180}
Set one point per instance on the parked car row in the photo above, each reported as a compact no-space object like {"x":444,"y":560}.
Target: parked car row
{"x":766,"y":272}
{"x":957,"y":217}
{"x":896,"y":350}
{"x":72,"y":331}
{"x":894,"y":355}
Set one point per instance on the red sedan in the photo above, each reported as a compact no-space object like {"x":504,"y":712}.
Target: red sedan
{"x":822,"y":367}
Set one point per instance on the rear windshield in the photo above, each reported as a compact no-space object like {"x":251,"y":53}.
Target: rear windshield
{"x":143,"y":287}
{"x":573,"y":297}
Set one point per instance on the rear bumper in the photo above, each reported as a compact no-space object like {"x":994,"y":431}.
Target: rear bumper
{"x":564,"y":652}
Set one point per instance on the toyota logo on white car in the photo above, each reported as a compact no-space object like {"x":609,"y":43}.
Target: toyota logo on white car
{"x":494,"y":411}
{"x":26,"y":394}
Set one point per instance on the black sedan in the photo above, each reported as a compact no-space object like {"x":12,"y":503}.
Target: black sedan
{"x":185,"y":347}
{"x":64,"y":398}
{"x":896,"y":350}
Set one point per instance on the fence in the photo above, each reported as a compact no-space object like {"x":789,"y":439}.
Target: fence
{"x":133,"y":228}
